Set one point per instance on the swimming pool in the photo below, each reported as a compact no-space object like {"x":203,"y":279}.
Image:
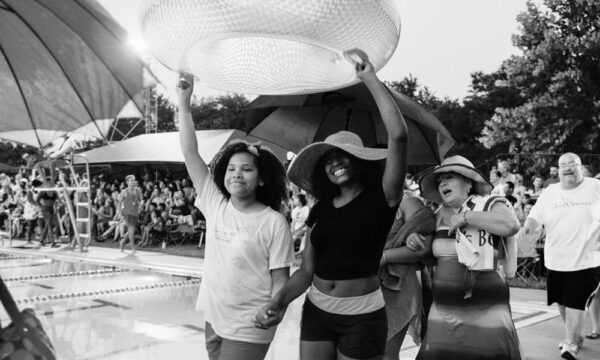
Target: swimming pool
{"x":96,"y":312}
{"x":103,"y":312}
{"x":111,"y":312}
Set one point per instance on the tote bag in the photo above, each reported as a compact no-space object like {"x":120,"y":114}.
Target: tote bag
{"x":25,"y":337}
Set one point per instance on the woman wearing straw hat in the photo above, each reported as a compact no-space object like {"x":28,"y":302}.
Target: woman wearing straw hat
{"x":344,"y":315}
{"x":470,"y":316}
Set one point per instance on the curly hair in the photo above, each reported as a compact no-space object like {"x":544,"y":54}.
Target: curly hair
{"x":274,"y":190}
{"x":369,"y":174}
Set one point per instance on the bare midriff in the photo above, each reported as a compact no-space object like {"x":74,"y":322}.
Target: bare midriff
{"x":347,"y":288}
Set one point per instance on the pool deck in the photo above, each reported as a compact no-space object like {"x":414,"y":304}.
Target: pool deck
{"x":539,"y":326}
{"x":143,"y":260}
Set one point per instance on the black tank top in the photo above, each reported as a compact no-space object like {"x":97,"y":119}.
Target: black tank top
{"x":348,"y":241}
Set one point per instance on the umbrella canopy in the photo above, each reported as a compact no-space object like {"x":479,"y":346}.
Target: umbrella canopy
{"x":294,"y":121}
{"x":63,"y":65}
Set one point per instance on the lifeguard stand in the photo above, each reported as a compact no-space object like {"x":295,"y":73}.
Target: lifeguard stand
{"x":80,"y":209}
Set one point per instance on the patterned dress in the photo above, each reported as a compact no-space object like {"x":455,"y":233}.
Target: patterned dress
{"x":465,"y":327}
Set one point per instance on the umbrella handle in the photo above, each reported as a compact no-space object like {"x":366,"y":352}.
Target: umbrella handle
{"x":356,"y":56}
{"x":183,"y":83}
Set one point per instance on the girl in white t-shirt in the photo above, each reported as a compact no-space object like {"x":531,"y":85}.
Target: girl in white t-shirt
{"x":248,"y":242}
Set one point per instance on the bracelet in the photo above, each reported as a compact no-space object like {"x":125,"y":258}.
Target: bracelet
{"x":465,"y":218}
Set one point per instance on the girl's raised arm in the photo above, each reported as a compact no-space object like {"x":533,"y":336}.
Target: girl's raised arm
{"x":395,"y":166}
{"x":195,"y":165}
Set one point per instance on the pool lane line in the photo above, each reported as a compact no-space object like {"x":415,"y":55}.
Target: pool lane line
{"x":127,"y":289}
{"x":14,"y":257}
{"x":67,"y":274}
{"x":101,"y":303}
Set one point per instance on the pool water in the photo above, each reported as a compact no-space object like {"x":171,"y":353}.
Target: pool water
{"x":97,"y":312}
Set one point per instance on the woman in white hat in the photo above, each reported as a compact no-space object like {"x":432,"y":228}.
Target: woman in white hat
{"x":344,"y":315}
{"x":470,"y":316}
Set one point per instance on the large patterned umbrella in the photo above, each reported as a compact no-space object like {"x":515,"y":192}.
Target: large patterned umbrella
{"x":63,"y":65}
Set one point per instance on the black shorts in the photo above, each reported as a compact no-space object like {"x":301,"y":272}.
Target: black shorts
{"x":572,"y":289}
{"x":357,"y":336}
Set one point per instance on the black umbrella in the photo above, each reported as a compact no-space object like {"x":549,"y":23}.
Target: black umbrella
{"x":294,"y":121}
{"x":63,"y":65}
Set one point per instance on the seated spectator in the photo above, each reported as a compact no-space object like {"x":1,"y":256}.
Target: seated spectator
{"x":519,"y":187}
{"x":188,"y":191}
{"x":552,"y":177}
{"x":495,"y":180}
{"x":146,"y":217}
{"x":505,"y":174}
{"x":509,"y":188}
{"x":536,"y":188}
{"x":117,"y":226}
{"x":155,"y":227}
{"x":180,"y":211}
{"x":17,"y":221}
{"x":100,"y":197}
{"x":103,"y":215}
{"x":6,"y":206}
{"x":167,"y":195}
{"x":156,"y":197}
{"x":164,"y":214}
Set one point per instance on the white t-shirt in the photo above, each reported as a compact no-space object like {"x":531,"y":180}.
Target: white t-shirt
{"x":241,"y":249}
{"x":572,"y":222}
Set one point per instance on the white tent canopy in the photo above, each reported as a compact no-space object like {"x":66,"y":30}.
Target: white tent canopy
{"x":165,"y":148}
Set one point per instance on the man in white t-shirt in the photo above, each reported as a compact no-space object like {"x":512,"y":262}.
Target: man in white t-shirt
{"x":570,"y":213}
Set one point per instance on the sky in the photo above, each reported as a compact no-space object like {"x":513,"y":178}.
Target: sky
{"x":441,"y":42}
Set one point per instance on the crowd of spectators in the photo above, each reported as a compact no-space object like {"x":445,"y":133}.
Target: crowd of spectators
{"x":168,"y":201}
{"x":166,"y":204}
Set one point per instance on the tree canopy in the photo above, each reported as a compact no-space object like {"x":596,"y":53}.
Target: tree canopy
{"x":555,"y":83}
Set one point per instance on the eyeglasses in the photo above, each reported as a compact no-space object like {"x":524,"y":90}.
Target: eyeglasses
{"x":568,"y":165}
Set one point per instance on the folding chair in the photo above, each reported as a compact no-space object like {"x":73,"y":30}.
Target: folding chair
{"x":528,"y":259}
{"x":180,"y":234}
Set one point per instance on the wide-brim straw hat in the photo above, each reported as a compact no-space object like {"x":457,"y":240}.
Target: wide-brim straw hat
{"x":456,"y":164}
{"x":302,"y":167}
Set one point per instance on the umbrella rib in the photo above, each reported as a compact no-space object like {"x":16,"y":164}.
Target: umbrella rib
{"x":22,"y":95}
{"x":323,"y":118}
{"x":92,"y":50}
{"x":62,"y":69}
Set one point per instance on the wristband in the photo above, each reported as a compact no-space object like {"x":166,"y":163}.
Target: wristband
{"x":465,"y":218}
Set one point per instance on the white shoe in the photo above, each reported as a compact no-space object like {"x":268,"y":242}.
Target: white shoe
{"x":569,"y":351}
{"x":579,"y":343}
